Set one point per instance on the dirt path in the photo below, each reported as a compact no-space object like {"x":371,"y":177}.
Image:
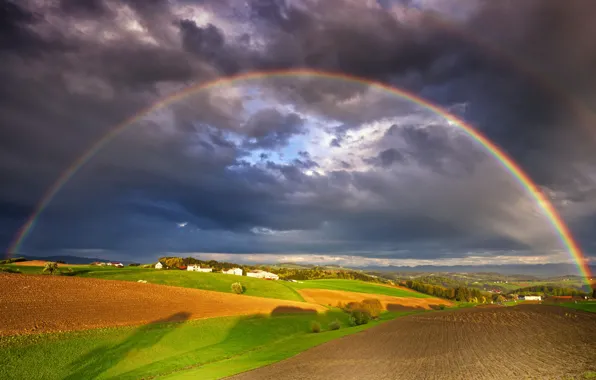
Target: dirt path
{"x":522,"y":342}
{"x":34,"y":304}
{"x":333,"y":297}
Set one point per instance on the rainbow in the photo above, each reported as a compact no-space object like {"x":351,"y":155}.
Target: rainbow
{"x":524,"y":180}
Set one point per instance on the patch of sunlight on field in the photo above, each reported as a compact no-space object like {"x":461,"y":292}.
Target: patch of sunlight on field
{"x":165,"y":349}
{"x":357,"y":286}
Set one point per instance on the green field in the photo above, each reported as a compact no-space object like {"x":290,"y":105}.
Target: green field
{"x":208,"y":281}
{"x":585,"y":306}
{"x":221,"y":282}
{"x":356,"y":286}
{"x":200,"y":349}
{"x":77,"y":269}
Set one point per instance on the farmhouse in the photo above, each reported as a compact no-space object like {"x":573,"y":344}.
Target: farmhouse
{"x":530,"y":298}
{"x":197,"y":268}
{"x":262,"y":274}
{"x":236,"y":271}
{"x":116,"y":264}
{"x":159,"y":266}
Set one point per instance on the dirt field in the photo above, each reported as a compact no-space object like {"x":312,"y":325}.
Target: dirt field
{"x":34,"y":304}
{"x":333,"y":297}
{"x":31,"y":263}
{"x":521,"y":342}
{"x":41,"y":263}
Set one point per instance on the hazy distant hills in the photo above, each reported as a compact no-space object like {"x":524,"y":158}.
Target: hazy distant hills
{"x":535,"y":270}
{"x":71,"y":259}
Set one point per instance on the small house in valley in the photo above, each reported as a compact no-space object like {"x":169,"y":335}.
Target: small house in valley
{"x":530,"y":298}
{"x":235,"y":271}
{"x":262,"y":274}
{"x":159,"y":266}
{"x":197,"y":268}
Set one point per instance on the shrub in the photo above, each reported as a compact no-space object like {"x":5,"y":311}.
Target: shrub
{"x":315,"y":327}
{"x":442,"y":307}
{"x":238,"y":288}
{"x":51,"y":268}
{"x":373,"y":306}
{"x":359,"y":317}
{"x":335,"y":325}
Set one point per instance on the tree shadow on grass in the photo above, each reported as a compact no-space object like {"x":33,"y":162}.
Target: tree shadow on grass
{"x":396,"y":307}
{"x":101,"y":359}
{"x":281,"y":310}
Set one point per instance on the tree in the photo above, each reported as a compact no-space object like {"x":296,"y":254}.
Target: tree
{"x":50,"y":268}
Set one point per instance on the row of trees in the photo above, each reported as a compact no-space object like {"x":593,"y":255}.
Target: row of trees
{"x":319,"y":273}
{"x":461,"y":293}
{"x":314,"y":273}
{"x":548,"y":290}
{"x":175,"y":262}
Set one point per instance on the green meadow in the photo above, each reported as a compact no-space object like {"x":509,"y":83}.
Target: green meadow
{"x":356,"y":286}
{"x":218,"y":282}
{"x":199,"y":349}
{"x":585,"y":306}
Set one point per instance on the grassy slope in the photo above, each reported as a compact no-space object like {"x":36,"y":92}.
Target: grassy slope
{"x":209,"y":348}
{"x":356,"y":286}
{"x":208,"y":281}
{"x":585,"y":306}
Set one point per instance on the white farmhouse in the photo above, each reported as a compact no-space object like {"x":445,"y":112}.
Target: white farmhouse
{"x":531,"y":298}
{"x":236,"y":271}
{"x":262,"y":274}
{"x":159,"y":266}
{"x":197,"y":268}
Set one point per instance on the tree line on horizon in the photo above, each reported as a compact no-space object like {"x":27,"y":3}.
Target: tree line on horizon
{"x":314,"y":273}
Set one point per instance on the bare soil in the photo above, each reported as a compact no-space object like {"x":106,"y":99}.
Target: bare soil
{"x":521,"y":342}
{"x":32,"y":263}
{"x":333,"y":297}
{"x":35,"y":304}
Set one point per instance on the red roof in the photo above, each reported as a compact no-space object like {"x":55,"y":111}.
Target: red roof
{"x":563,"y":297}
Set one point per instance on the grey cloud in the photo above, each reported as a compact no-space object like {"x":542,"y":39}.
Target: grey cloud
{"x":271,"y":129}
{"x":62,"y":90}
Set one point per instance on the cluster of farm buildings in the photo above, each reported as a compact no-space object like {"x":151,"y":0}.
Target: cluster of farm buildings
{"x":109,"y":264}
{"x":233,"y":271}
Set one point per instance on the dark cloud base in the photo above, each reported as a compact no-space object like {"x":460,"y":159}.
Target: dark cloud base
{"x":72,"y":69}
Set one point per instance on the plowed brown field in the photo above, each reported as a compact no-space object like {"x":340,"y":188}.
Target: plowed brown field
{"x":34,"y":304}
{"x":521,"y":342}
{"x":333,"y":297}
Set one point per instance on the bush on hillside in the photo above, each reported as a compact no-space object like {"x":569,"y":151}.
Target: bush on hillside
{"x":359,"y":317}
{"x":13,"y":260}
{"x":373,"y":306}
{"x":9,"y":270}
{"x":315,"y":327}
{"x":442,"y":307}
{"x":238,"y":288}
{"x":51,"y":268}
{"x":335,"y":325}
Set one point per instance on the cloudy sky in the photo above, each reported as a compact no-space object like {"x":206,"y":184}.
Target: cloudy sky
{"x":298,"y":168}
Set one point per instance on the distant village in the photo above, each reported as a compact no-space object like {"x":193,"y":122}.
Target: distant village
{"x":256,"y":273}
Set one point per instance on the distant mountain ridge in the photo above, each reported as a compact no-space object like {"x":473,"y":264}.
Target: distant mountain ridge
{"x":530,"y":269}
{"x":71,"y":259}
{"x":548,"y":270}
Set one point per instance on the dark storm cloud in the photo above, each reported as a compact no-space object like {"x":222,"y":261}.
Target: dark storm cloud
{"x":269,"y":128}
{"x":71,"y":71}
